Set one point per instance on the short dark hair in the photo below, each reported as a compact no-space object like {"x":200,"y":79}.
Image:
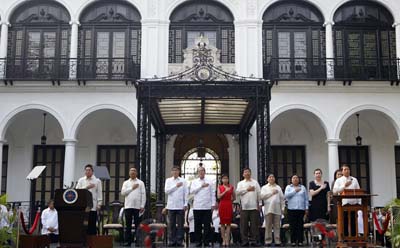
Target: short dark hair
{"x":344,"y":165}
{"x":318,"y":169}
{"x":50,"y":201}
{"x":246,"y":169}
{"x":176,"y":168}
{"x":270,"y":174}
{"x":89,"y":166}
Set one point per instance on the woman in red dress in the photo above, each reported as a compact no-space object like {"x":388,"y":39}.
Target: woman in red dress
{"x":226,"y":197}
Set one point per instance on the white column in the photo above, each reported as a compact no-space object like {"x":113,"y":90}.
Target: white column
{"x":154,"y":57}
{"x":69,"y":161}
{"x":248,"y":48}
{"x":330,"y":70}
{"x":333,"y":155}
{"x":3,"y":48}
{"x":73,"y":53}
{"x":397,"y":28}
{"x":1,"y":161}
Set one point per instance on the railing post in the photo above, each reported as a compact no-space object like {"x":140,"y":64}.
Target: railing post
{"x":73,"y":53}
{"x":3,"y":48}
{"x":330,"y":63}
{"x":397,"y":29}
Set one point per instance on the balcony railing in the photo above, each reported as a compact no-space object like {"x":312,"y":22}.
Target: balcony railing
{"x":337,"y":69}
{"x":366,"y":69}
{"x":295,"y":68}
{"x":66,"y":69}
{"x":107,"y":69}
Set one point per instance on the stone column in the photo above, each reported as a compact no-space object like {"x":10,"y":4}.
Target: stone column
{"x":69,"y":161}
{"x":154,"y":51}
{"x":330,"y":62}
{"x":397,"y":28}
{"x":73,"y":53}
{"x":333,"y":155}
{"x":248,"y":48}
{"x":1,"y":160}
{"x":3,"y":48}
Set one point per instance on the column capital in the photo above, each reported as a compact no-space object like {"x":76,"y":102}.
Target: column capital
{"x":328,"y":24}
{"x":395,"y":24}
{"x":333,"y":141}
{"x":397,"y":142}
{"x":2,"y":142}
{"x":74,"y":22}
{"x":5,"y":23}
{"x":70,"y":141}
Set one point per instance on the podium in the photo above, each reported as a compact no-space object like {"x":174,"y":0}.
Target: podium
{"x":73,"y":206}
{"x":351,"y":240}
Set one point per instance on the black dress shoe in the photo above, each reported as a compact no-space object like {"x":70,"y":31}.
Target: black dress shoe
{"x":244,"y":244}
{"x":255,"y":244}
{"x":171,"y":244}
{"x":207,"y":245}
{"x":127,"y":244}
{"x":199,"y":245}
{"x":179,"y":245}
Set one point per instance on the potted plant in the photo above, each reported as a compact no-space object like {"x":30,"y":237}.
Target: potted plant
{"x":394,"y":229}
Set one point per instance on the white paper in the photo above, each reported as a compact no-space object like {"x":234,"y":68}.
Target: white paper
{"x":35,"y":173}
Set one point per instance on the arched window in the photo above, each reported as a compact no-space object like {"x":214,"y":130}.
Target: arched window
{"x":109,"y":46}
{"x":293,"y":41}
{"x":364,"y":41}
{"x":191,"y":161}
{"x":38,"y":45}
{"x":209,"y":18}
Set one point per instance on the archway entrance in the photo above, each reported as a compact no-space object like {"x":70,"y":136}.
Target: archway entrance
{"x":215,"y":159}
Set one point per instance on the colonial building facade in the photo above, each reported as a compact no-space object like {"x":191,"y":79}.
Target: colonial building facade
{"x":77,"y":61}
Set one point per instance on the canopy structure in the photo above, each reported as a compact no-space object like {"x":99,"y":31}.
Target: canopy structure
{"x":201,"y":99}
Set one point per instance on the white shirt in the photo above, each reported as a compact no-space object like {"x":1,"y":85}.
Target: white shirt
{"x":204,"y":197}
{"x":4,"y":216}
{"x":97,"y":192}
{"x":248,"y":199}
{"x":340,"y":186}
{"x":273,"y":203}
{"x":177,"y":196}
{"x":134,"y":198}
{"x":49,"y":219}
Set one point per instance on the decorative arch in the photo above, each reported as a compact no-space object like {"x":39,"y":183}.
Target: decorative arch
{"x":133,"y":3}
{"x":5,"y":123}
{"x":78,"y":121}
{"x":109,"y":12}
{"x":42,"y":11}
{"x":181,"y":3}
{"x":384,"y":3}
{"x":289,"y":11}
{"x":391,"y":116}
{"x":325,"y":124}
{"x":19,"y":3}
{"x":216,"y":142}
{"x":315,"y":5}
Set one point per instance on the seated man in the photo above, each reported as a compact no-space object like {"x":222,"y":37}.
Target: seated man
{"x":50,"y":222}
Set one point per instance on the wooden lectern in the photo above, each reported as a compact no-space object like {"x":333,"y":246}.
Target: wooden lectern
{"x":352,"y":240}
{"x":73,"y":206}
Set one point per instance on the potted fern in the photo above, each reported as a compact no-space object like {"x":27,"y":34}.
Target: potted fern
{"x":394,"y":230}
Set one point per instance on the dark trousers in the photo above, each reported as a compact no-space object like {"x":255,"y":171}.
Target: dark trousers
{"x":53,"y":237}
{"x":129,"y":213}
{"x":252,"y":216}
{"x":353,"y":223}
{"x":92,"y":229}
{"x":176,"y":219}
{"x":202,"y":221}
{"x":296,"y":225}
